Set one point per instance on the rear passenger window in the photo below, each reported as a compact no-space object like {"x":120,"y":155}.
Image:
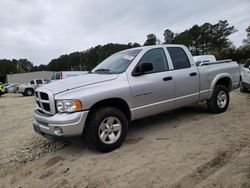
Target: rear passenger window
{"x":179,"y":58}
{"x":157,"y":58}
{"x":39,"y":82}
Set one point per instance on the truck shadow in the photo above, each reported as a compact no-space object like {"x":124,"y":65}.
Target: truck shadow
{"x":170,"y":118}
{"x":136,"y":131}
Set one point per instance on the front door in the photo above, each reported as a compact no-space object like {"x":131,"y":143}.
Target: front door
{"x":154,"y":91}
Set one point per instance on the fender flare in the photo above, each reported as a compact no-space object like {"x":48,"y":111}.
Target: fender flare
{"x":215,"y":81}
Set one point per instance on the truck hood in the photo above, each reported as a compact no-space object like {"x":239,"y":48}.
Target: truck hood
{"x":76,"y":82}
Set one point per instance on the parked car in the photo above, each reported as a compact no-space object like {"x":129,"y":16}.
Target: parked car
{"x":130,"y":85}
{"x":29,"y":88}
{"x":66,"y":74}
{"x":11,"y":87}
{"x":2,"y":89}
{"x":245,"y":76}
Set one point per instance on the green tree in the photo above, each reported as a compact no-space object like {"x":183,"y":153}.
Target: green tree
{"x":168,"y":36}
{"x":7,"y":67}
{"x":151,"y":40}
{"x":247,"y":40}
{"x":41,"y":67}
{"x":206,"y":33}
{"x":88,"y":59}
{"x":19,"y":70}
{"x":206,"y":38}
{"x":220,"y":33}
{"x":25,"y":64}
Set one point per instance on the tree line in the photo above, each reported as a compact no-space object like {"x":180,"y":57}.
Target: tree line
{"x":200,"y":39}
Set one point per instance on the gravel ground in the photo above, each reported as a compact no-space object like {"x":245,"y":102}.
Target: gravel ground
{"x":188,"y":147}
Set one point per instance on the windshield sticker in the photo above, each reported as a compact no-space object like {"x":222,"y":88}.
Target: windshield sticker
{"x":128,"y":57}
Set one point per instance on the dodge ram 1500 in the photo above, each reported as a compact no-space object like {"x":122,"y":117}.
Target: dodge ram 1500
{"x":130,"y":85}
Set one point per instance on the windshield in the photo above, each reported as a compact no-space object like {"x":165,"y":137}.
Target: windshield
{"x":117,"y":63}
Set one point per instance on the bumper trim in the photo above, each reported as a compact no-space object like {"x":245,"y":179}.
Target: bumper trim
{"x":71,"y":124}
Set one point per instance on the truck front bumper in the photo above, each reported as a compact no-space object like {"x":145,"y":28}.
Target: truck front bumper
{"x":60,"y":125}
{"x":20,"y":90}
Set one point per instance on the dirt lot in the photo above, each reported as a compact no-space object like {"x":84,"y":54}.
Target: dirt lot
{"x":185,"y":148}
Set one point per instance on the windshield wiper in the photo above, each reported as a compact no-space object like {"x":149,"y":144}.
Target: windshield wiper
{"x":102,"y":70}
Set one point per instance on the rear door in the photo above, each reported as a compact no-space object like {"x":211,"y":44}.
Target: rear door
{"x":153,"y":92}
{"x":186,"y":77}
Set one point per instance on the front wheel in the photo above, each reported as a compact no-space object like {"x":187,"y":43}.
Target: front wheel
{"x":219,"y":101}
{"x":106,"y":129}
{"x":29,"y":92}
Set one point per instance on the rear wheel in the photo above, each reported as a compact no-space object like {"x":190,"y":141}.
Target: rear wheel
{"x":29,"y":92}
{"x":242,"y":87}
{"x":106,"y":129}
{"x":219,"y":101}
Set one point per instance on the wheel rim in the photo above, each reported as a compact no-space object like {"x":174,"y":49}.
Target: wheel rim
{"x":110,"y":130}
{"x":29,"y":92}
{"x":222,"y":99}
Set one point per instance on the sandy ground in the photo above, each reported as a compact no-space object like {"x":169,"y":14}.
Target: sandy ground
{"x":187,"y":147}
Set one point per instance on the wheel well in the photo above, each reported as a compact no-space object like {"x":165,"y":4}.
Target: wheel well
{"x":225,"y":82}
{"x":29,"y":88}
{"x":113,"y":102}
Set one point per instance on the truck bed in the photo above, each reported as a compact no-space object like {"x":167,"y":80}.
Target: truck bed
{"x":209,"y":75}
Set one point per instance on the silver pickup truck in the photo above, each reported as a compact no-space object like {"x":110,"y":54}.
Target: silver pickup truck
{"x":130,"y":85}
{"x":28,"y":89}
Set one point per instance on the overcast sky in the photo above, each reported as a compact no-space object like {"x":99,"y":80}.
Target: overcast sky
{"x":41,"y":30}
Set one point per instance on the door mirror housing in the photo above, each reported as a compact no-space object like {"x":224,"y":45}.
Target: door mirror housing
{"x":142,"y":68}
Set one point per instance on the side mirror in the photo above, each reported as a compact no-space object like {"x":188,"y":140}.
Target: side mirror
{"x":142,"y":68}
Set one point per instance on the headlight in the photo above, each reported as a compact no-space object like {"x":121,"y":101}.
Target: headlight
{"x":68,"y":105}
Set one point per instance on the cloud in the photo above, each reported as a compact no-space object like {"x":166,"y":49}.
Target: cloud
{"x":43,"y":29}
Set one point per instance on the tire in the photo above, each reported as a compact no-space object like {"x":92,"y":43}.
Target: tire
{"x":242,"y":87}
{"x":29,"y":92}
{"x":219,"y":101}
{"x":1,"y":93}
{"x":24,"y":94}
{"x":101,"y":134}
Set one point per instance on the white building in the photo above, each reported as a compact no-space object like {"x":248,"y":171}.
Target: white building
{"x":28,"y":76}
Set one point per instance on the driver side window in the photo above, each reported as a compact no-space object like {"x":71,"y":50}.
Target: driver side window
{"x":157,"y":58}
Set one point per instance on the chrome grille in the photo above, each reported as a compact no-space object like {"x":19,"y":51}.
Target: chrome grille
{"x":45,"y":102}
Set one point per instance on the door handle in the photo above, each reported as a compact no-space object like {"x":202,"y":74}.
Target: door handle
{"x":193,"y":74}
{"x":167,"y":78}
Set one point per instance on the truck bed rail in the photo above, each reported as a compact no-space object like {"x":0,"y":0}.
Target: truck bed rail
{"x":215,"y":62}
